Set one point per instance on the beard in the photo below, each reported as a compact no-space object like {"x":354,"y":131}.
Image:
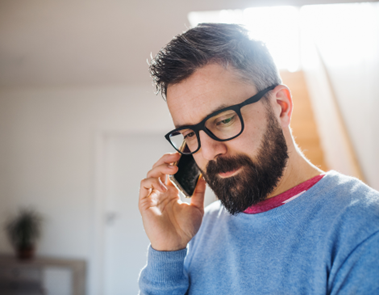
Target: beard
{"x":257,"y":178}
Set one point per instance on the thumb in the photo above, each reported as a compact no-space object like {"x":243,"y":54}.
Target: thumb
{"x":197,"y":199}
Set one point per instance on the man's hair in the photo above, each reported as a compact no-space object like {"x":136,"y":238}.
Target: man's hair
{"x":225,"y":44}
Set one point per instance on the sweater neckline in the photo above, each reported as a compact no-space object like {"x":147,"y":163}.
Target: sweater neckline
{"x":284,"y":197}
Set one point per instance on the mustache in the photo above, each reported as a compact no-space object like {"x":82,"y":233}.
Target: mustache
{"x":225,"y":164}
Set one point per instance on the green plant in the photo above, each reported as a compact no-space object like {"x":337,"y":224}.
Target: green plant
{"x":24,"y":229}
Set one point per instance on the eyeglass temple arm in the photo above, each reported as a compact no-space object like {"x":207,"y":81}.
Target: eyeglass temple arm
{"x":259,"y":95}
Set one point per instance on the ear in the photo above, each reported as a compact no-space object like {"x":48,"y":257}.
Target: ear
{"x":282,"y":104}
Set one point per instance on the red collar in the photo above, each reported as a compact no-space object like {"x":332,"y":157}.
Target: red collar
{"x":284,"y":197}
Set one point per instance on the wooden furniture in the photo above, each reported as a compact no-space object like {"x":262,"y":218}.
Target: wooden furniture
{"x":25,"y":277}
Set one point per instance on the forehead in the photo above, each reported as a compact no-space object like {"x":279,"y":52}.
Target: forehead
{"x":206,"y":90}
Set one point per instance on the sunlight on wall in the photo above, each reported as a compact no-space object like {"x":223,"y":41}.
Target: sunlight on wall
{"x":277,"y":26}
{"x":350,"y":28}
{"x":345,"y":38}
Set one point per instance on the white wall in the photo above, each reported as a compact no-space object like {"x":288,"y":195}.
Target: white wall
{"x":47,"y":154}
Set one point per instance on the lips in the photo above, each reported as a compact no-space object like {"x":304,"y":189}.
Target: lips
{"x":229,"y":173}
{"x":224,"y":167}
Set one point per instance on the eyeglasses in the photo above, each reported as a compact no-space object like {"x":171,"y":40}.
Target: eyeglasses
{"x":222,"y":125}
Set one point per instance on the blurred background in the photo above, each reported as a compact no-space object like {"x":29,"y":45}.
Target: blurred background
{"x":80,"y":124}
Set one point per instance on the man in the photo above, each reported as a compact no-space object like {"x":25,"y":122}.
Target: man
{"x":281,"y":225}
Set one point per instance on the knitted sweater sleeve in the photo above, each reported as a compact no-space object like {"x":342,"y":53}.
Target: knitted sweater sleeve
{"x":359,"y":274}
{"x":164,"y":273}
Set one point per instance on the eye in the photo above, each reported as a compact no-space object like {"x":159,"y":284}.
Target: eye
{"x":189,"y":134}
{"x":226,"y":121}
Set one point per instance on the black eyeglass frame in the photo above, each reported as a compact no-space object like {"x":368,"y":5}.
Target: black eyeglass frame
{"x":201,"y":126}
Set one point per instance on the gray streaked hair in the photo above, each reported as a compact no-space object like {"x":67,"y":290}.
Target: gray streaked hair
{"x":226,"y":44}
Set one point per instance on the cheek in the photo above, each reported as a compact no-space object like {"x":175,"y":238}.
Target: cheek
{"x":201,"y":163}
{"x":251,"y":137}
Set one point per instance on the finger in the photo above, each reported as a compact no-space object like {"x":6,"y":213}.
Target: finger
{"x":166,"y":179}
{"x":167,"y":159}
{"x":197,"y":199}
{"x":162,"y":170}
{"x":148,"y":185}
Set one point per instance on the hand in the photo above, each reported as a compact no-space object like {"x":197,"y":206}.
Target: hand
{"x":169,"y":223}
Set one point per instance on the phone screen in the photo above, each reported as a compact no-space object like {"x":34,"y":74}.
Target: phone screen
{"x":187,"y":176}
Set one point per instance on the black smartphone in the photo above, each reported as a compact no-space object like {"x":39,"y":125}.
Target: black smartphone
{"x":187,"y":176}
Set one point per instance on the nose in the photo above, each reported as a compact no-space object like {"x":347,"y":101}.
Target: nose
{"x":210,"y":148}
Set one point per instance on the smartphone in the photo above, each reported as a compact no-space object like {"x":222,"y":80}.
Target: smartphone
{"x":187,"y":176}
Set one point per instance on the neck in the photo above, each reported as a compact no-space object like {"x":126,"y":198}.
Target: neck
{"x":297,"y":170}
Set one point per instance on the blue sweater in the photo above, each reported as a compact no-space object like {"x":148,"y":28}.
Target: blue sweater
{"x":324,"y":242}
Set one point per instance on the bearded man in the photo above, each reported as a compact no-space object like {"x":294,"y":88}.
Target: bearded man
{"x":281,"y":225}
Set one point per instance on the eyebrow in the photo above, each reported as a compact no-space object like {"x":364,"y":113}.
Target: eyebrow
{"x":220,"y":107}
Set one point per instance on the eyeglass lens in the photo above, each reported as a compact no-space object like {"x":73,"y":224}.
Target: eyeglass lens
{"x":224,"y":125}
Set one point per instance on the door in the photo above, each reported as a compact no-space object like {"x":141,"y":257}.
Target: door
{"x":127,"y":160}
